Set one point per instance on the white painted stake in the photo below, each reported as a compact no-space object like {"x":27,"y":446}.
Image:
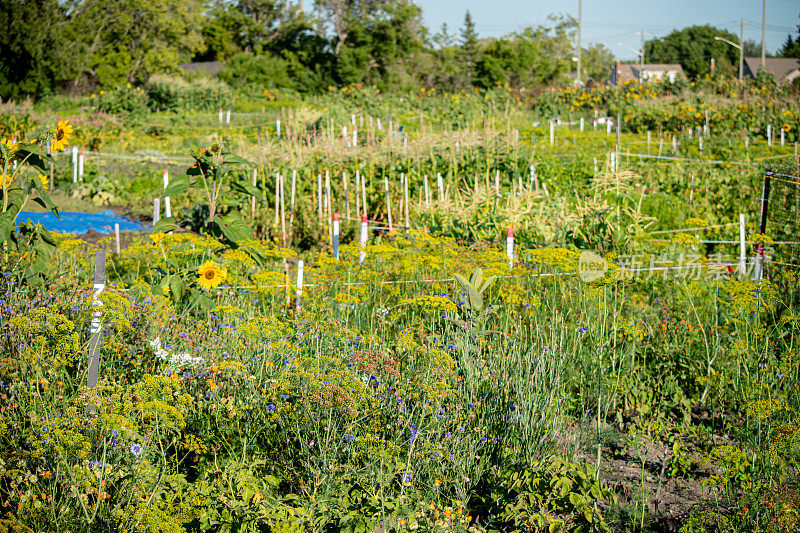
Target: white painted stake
{"x":510,"y":247}
{"x":353,"y":119}
{"x":156,"y":210}
{"x":742,"y":247}
{"x":355,"y":137}
{"x":581,"y":124}
{"x":783,"y":137}
{"x":497,"y":182}
{"x":552,"y":132}
{"x":278,"y":127}
{"x":80,"y":165}
{"x":228,"y":117}
{"x":167,"y":206}
{"x":220,"y":116}
{"x":441,"y":187}
{"x":253,"y":198}
{"x":594,"y":123}
{"x":116,"y":237}
{"x":608,"y":126}
{"x":74,"y":165}
{"x":363,"y":194}
{"x":769,"y":135}
{"x":336,"y":235}
{"x":594,"y":163}
{"x":427,"y":193}
{"x":299,"y":292}
{"x":613,"y":161}
{"x":362,"y":240}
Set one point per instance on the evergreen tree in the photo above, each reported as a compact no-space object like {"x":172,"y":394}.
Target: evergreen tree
{"x":791,"y":48}
{"x":469,"y":47}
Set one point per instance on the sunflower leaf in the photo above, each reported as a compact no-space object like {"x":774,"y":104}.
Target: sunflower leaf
{"x":165,"y":225}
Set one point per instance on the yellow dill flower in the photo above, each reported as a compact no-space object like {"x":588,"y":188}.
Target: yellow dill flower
{"x":62,"y":136}
{"x":156,"y":238}
{"x":8,"y":143}
{"x":211,"y":275}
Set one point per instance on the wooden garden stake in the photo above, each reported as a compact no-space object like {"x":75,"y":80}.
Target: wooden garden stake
{"x":96,"y":329}
{"x":299,"y":293}
{"x":328,"y":204}
{"x":405,"y":187}
{"x":319,"y":197}
{"x":364,"y":195}
{"x":358,"y":193}
{"x":253,"y":198}
{"x":277,"y":198}
{"x":346,"y":196}
{"x":283,"y":212}
{"x":388,"y":201}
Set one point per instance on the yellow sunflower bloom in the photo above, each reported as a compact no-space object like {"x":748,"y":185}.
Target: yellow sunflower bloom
{"x":211,"y":275}
{"x":45,"y":181}
{"x":787,"y":127}
{"x":156,"y":238}
{"x":62,"y":136}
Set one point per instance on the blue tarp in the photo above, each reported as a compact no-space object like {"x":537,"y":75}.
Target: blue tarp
{"x":80,"y":223}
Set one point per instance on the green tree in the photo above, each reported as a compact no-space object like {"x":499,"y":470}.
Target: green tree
{"x":791,"y":48}
{"x":36,"y":54}
{"x":219,"y":29}
{"x":532,"y":58}
{"x":469,"y":47}
{"x":375,"y":42}
{"x":445,"y":71}
{"x":693,"y":48}
{"x":751,"y":48}
{"x":129,"y":40}
{"x":597,"y":62}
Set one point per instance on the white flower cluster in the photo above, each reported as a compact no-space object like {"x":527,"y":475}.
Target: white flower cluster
{"x":177,"y":359}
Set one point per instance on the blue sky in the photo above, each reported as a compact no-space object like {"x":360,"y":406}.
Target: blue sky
{"x":616,"y":21}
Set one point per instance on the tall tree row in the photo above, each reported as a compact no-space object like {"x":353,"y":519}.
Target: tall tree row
{"x":80,"y":45}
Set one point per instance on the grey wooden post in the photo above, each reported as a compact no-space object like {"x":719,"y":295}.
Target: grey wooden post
{"x":96,"y":328}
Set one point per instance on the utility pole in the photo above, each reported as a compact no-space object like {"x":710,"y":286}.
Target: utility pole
{"x":763,"y":32}
{"x":580,"y":24}
{"x":741,"y":49}
{"x":641,"y":55}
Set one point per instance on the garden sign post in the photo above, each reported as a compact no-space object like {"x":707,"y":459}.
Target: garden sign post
{"x":96,"y":329}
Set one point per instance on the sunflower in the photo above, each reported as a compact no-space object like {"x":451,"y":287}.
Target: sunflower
{"x":62,"y":135}
{"x":211,"y":275}
{"x":787,"y":128}
{"x":44,"y":181}
{"x":156,"y":238}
